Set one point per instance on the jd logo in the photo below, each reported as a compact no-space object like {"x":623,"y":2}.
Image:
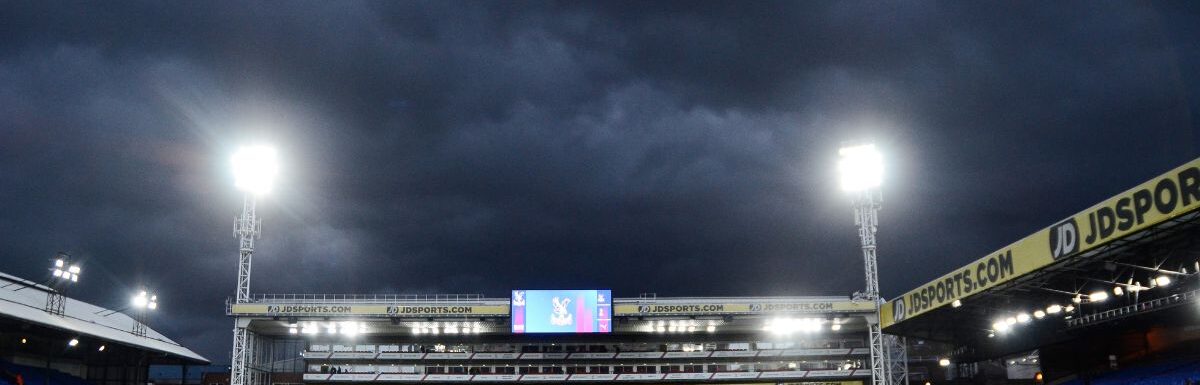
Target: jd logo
{"x":1064,"y":239}
{"x":756,"y":307}
{"x":643,"y":309}
{"x":272,"y":308}
{"x":898,"y":310}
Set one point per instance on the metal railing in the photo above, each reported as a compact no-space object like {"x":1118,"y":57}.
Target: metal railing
{"x":1135,"y":309}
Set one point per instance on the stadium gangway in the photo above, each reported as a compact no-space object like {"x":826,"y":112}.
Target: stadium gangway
{"x":1134,"y":309}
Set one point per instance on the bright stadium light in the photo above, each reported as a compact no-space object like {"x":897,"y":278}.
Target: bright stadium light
{"x":1023,"y":318}
{"x":956,"y":304}
{"x":944,"y":362}
{"x":1098,"y":296}
{"x":861,"y":167}
{"x":1000,"y":326}
{"x":1054,"y":309}
{"x":1118,"y":291}
{"x":1163,"y":281}
{"x":254,"y":169}
{"x":1039,"y":314}
{"x":73,"y":342}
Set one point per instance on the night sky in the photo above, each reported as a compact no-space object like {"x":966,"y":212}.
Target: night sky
{"x":683,"y":149}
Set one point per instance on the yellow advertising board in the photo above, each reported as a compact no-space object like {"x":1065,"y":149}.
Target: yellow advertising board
{"x":743,"y":308}
{"x":367,"y":310}
{"x":1170,"y":195}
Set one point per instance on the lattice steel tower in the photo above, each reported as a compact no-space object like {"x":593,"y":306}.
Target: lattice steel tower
{"x":861,"y":170}
{"x":254,"y":169}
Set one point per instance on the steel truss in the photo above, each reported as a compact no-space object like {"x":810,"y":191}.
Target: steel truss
{"x":889,"y":358}
{"x":246,"y":228}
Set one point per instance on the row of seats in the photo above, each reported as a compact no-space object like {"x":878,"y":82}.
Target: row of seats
{"x":1167,"y":373}
{"x":38,"y":376}
{"x":830,"y":344}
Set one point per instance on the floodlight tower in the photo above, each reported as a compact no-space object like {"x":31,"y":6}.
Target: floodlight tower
{"x":861,"y":170}
{"x":62,"y":274}
{"x":254,"y":169}
{"x":142,"y":303}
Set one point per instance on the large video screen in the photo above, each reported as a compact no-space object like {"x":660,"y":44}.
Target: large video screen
{"x":561,"y":311}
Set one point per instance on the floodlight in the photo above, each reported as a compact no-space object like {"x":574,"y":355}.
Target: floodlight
{"x":101,"y":348}
{"x":835,"y":327}
{"x":74,"y":277}
{"x":140,"y":301}
{"x":292,"y":330}
{"x":1163,"y":280}
{"x":74,"y":269}
{"x":73,"y":342}
{"x":1053,"y":309}
{"x":1039,"y":314}
{"x":59,"y":263}
{"x":152,"y":305}
{"x":956,"y":303}
{"x":1069,"y":308}
{"x":1023,"y":318}
{"x":861,"y":167}
{"x":58,"y":273}
{"x":710,"y":329}
{"x":944,"y":362}
{"x":1098,"y":296}
{"x":1010,"y":321}
{"x":1118,"y":291}
{"x":254,"y":169}
{"x":1078,"y":299}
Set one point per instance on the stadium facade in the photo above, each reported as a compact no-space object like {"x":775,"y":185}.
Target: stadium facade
{"x":468,"y":338}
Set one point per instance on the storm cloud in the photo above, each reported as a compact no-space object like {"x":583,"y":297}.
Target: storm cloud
{"x":677,"y":148}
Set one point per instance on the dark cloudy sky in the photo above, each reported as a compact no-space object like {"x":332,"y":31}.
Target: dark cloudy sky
{"x":685,"y":148}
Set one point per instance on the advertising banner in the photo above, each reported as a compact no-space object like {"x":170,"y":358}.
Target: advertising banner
{"x":365,"y":310}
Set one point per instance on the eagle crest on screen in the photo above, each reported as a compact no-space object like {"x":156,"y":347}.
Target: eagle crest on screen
{"x":560,"y":316}
{"x":518,"y":298}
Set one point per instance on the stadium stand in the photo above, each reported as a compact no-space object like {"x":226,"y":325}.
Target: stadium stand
{"x":85,"y":345}
{"x":1112,"y":286}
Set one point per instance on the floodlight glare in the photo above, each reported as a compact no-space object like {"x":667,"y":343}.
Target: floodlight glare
{"x":861,"y":167}
{"x":254,"y":169}
{"x":1163,"y":280}
{"x":59,"y":263}
{"x":74,"y":269}
{"x":1118,"y":291}
{"x":1039,"y":314}
{"x":1053,"y":309}
{"x":1098,"y":296}
{"x":73,"y":342}
{"x":944,"y":362}
{"x":1023,"y":318}
{"x":956,"y":303}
